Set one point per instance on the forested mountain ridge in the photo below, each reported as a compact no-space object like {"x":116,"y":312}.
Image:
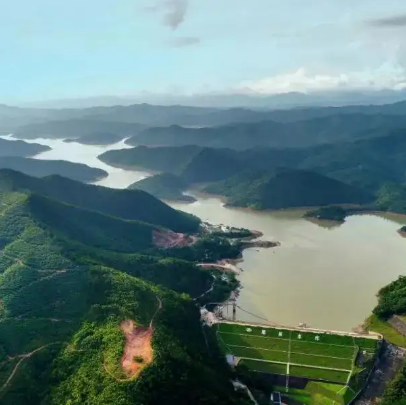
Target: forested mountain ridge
{"x":20,"y":148}
{"x":42,"y":168}
{"x":165,"y":186}
{"x":126,"y":204}
{"x":240,"y":136}
{"x":70,"y":281}
{"x":365,"y":163}
{"x":285,"y":188}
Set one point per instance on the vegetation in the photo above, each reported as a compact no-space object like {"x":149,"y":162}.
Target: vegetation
{"x":98,"y":138}
{"x":164,"y":186}
{"x":395,"y":393}
{"x":374,"y":324}
{"x":392,"y":299}
{"x":330,"y":213}
{"x":127,"y":204}
{"x":285,"y":188}
{"x":20,"y":148}
{"x":42,"y":168}
{"x":318,"y":356}
{"x":68,"y":278}
{"x":367,"y":164}
{"x":266,"y":133}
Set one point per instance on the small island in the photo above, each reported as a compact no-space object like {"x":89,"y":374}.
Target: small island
{"x":97,"y":138}
{"x":330,"y":213}
{"x":164,"y":186}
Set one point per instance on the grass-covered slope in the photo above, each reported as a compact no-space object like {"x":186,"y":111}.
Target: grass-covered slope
{"x":127,"y":204}
{"x":286,"y":188}
{"x":165,"y":186}
{"x":42,"y":168}
{"x":62,"y":305}
{"x":20,"y":148}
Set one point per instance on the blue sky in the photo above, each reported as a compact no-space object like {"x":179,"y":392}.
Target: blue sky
{"x":56,"y":49}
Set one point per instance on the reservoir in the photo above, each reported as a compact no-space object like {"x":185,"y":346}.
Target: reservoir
{"x":323,"y":275}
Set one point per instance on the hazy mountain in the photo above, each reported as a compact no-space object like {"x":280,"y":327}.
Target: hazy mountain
{"x":20,"y":148}
{"x":42,"y":168}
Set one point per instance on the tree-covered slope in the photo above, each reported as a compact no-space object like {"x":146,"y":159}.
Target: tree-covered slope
{"x":284,"y":188}
{"x":127,"y":204}
{"x":20,"y":148}
{"x":42,"y":168}
{"x":165,"y":186}
{"x":240,"y":136}
{"x":62,"y":311}
{"x":98,"y":138}
{"x":171,"y":159}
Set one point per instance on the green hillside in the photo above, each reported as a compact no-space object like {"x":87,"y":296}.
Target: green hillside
{"x":42,"y":168}
{"x":286,"y":188}
{"x":171,"y":160}
{"x":127,"y":204}
{"x":69,"y":280}
{"x":165,"y":186}
{"x":332,"y":128}
{"x":20,"y":148}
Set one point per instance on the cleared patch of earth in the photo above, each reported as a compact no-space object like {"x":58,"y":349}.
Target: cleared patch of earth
{"x":169,"y":239}
{"x":138,"y":351}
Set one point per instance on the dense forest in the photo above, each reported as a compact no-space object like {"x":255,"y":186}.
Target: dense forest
{"x":165,"y":186}
{"x":42,"y":168}
{"x":240,"y":136}
{"x":285,"y":188}
{"x":70,"y":276}
{"x":20,"y":148}
{"x":374,"y":166}
{"x":126,"y":204}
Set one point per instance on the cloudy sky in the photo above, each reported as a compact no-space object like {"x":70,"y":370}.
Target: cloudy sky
{"x":59,"y":49}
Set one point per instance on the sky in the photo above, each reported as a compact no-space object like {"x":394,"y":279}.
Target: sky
{"x":83,"y":48}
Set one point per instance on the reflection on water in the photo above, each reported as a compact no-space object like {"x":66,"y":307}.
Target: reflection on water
{"x":321,"y":275}
{"x":325,"y":276}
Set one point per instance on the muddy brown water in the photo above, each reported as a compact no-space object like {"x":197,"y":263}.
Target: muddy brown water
{"x":324,"y":275}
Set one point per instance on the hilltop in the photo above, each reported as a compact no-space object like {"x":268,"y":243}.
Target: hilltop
{"x":42,"y":168}
{"x":21,"y":148}
{"x":127,"y":204}
{"x":164,"y":186}
{"x":284,"y":188}
{"x":73,"y":292}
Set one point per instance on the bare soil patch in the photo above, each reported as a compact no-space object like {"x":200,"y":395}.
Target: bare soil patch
{"x":169,"y":239}
{"x":138,"y":351}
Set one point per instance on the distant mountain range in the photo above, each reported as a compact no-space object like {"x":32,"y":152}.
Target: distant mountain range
{"x":231,"y":100}
{"x":77,"y":122}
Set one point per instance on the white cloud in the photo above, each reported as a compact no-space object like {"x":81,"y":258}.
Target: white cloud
{"x":387,"y":76}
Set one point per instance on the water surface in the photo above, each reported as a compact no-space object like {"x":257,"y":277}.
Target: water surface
{"x":323,"y":275}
